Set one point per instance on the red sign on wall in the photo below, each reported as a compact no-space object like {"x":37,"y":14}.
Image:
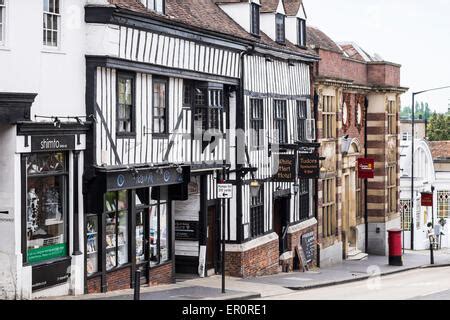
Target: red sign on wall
{"x":366,"y":168}
{"x":427,"y":199}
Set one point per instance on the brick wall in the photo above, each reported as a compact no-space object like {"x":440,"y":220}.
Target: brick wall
{"x":259,"y":261}
{"x":119,"y":280}
{"x":94,"y":285}
{"x":161,"y":275}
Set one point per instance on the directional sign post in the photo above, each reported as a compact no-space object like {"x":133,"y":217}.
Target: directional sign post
{"x":225,"y":190}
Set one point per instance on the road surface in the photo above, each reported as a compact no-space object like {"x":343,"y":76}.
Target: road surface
{"x":421,"y":284}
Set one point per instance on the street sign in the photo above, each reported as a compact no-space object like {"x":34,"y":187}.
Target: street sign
{"x":366,"y":168}
{"x":427,"y":199}
{"x":224,"y":190}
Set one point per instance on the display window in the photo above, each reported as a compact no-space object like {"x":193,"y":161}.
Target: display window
{"x":92,"y":244}
{"x":46,"y":211}
{"x":116,"y":229}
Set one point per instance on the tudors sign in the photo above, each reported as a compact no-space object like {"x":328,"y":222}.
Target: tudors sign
{"x":52,"y":143}
{"x":286,"y":168}
{"x":308,"y":166}
{"x":143,"y":178}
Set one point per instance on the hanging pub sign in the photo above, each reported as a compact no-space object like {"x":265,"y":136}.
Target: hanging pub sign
{"x":308,"y":166}
{"x":52,"y":143}
{"x":366,"y":168}
{"x":426,"y":199}
{"x":286,"y":168}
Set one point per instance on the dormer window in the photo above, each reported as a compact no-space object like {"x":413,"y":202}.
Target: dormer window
{"x":255,"y":19}
{"x":280,"y":28}
{"x":301,"y":32}
{"x":155,"y":5}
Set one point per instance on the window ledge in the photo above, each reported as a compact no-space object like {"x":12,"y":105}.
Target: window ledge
{"x":52,"y":51}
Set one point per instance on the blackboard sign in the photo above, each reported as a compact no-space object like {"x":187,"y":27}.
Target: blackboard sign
{"x":309,"y":166}
{"x":308,"y":243}
{"x":186,"y":230}
{"x":286,"y":168}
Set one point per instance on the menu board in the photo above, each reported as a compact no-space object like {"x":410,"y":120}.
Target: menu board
{"x":308,"y":243}
{"x":186,"y":230}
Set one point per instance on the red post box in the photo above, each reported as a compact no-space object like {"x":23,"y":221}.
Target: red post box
{"x":395,"y":247}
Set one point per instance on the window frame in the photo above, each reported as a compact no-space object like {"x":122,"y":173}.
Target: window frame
{"x":329,"y":219}
{"x":132,"y":77}
{"x":153,"y":5}
{"x":256,"y":124}
{"x":280,"y":34}
{"x":282,"y":139}
{"x":304,"y":198}
{"x":257,"y":216}
{"x":392,"y":118}
{"x":302,"y":118}
{"x":65,"y":204}
{"x":3,"y":21}
{"x":58,"y":29}
{"x":443,"y":205}
{"x":166,"y":131}
{"x":329,"y":117}
{"x":255,"y":19}
{"x":391,"y":188}
{"x":405,"y":214}
{"x":301,"y":32}
{"x":206,"y":107}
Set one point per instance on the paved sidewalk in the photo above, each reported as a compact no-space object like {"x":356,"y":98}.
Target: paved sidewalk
{"x":269,"y":286}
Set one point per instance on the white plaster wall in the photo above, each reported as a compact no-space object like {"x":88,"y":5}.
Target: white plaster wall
{"x":268,"y":24}
{"x":102,"y":40}
{"x":57,"y":76}
{"x":292,"y":29}
{"x":239,"y":12}
{"x":331,"y":256}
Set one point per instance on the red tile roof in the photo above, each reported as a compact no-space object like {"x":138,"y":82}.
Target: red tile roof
{"x":440,"y":149}
{"x":292,"y":6}
{"x":269,"y":5}
{"x":319,"y":40}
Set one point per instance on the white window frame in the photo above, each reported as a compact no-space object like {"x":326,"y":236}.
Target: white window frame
{"x":59,"y":26}
{"x":3,"y":23}
{"x":301,"y":32}
{"x":152,"y":5}
{"x":443,"y":204}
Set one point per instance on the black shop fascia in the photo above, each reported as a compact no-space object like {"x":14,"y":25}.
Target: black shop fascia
{"x":128,"y":222}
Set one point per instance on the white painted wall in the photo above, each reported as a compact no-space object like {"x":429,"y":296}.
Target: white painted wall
{"x":292,"y":29}
{"x":239,"y":12}
{"x":268,"y":24}
{"x":57,"y":76}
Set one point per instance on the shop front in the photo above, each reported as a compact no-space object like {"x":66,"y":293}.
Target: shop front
{"x":51,"y":159}
{"x":128,"y":226}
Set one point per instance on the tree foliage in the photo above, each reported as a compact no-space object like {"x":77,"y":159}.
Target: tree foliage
{"x":438,"y":128}
{"x":421,"y":111}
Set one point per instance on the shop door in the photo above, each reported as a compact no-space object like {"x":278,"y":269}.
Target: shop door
{"x":280,"y":221}
{"x":142,"y":244}
{"x":212,"y":237}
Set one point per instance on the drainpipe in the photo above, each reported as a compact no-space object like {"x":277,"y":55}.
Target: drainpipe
{"x":366,"y":213}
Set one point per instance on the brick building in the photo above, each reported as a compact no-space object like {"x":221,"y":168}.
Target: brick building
{"x":357,"y":99}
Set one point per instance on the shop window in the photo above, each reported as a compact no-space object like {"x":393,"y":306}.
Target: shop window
{"x":304,"y":199}
{"x":256,"y":123}
{"x":329,"y":117}
{"x":2,"y":21}
{"x":301,"y":119}
{"x":392,"y":118}
{"x":160,"y":106}
{"x":280,"y":32}
{"x":255,"y":19}
{"x":405,"y":214}
{"x":257,"y":214}
{"x":159,"y":233}
{"x":92,"y":243}
{"x":125,"y":106}
{"x":47,"y":189}
{"x":52,"y":23}
{"x":301,"y":32}
{"x":280,"y":118}
{"x":443,"y":204}
{"x":116,"y":236}
{"x":392,"y":188}
{"x":329,"y":208}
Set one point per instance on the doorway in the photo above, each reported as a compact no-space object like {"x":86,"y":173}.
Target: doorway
{"x":212,"y":240}
{"x":281,"y":213}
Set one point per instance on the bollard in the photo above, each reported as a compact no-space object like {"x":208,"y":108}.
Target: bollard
{"x":431,"y":253}
{"x":137,"y":285}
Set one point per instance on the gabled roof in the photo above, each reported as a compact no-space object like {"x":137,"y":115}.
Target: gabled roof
{"x":207,"y":15}
{"x":353,"y":51}
{"x":269,"y":5}
{"x":316,"y":39}
{"x":292,"y":7}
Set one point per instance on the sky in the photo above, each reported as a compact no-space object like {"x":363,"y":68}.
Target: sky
{"x":413,"y":33}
